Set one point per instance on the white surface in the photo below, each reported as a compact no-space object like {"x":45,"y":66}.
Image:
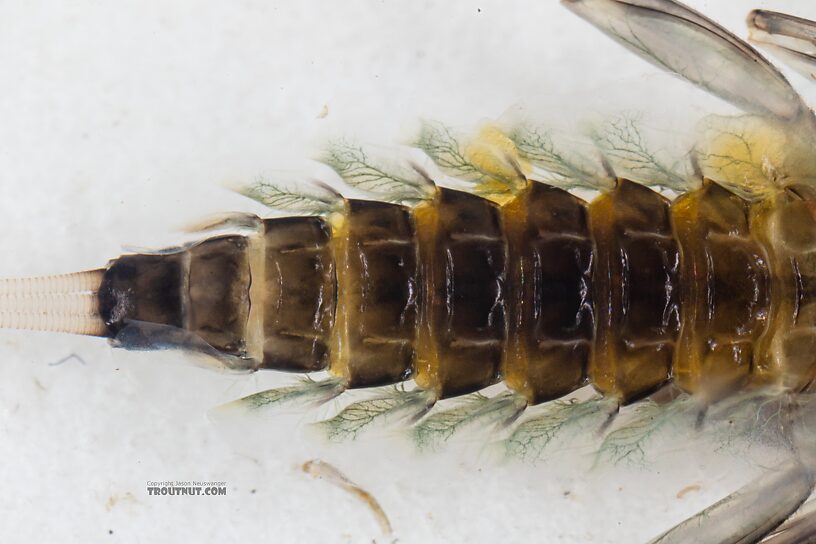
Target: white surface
{"x":121,"y":121}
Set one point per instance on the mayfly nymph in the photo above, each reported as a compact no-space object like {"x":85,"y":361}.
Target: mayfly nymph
{"x":702,"y":284}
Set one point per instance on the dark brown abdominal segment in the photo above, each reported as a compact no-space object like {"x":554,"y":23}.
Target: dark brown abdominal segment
{"x":218,"y":288}
{"x":462,"y":317}
{"x":550,"y":310}
{"x":203,"y":290}
{"x":299,"y":294}
{"x":375,"y":326}
{"x":636,"y":291}
{"x":143,"y":288}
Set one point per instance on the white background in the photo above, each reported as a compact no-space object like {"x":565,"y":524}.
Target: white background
{"x":120,"y":122}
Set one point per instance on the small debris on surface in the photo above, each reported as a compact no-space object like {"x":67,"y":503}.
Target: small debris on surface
{"x":688,"y":489}
{"x":113,"y":500}
{"x":323,"y":470}
{"x":72,"y":356}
